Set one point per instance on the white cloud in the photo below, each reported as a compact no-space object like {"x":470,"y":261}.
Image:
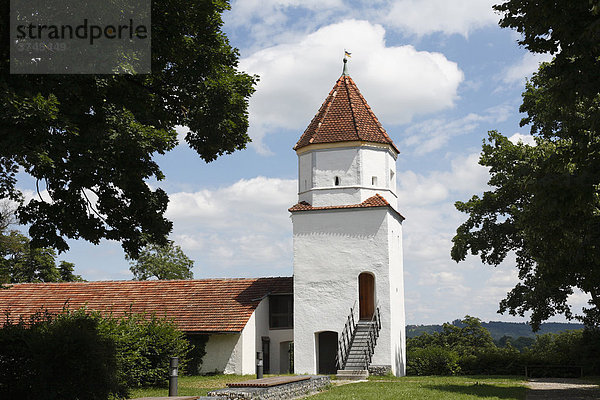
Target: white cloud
{"x":261,"y":22}
{"x":431,"y":221}
{"x":465,"y":176}
{"x":529,"y":63}
{"x":181,"y":132}
{"x":525,"y":139}
{"x":443,"y":278}
{"x":434,"y":134}
{"x":236,"y":230}
{"x":257,"y":23}
{"x":398,"y":82}
{"x":422,"y":17}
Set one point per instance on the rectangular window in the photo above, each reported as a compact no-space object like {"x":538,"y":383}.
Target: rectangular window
{"x":374,"y":180}
{"x":281,"y":311}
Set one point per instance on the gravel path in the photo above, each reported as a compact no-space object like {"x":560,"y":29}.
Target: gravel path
{"x":561,"y":389}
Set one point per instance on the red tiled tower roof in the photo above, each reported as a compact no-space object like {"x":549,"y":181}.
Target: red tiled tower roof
{"x":207,"y":305}
{"x":344,"y":116}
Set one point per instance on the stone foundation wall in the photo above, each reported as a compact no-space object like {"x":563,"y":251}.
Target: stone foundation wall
{"x":380,"y":370}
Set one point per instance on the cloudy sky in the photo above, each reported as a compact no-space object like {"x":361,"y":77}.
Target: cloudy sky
{"x":438,"y":74}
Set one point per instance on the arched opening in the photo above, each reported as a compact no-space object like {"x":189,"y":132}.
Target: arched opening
{"x":366,"y":295}
{"x":336,"y":181}
{"x":326,"y":352}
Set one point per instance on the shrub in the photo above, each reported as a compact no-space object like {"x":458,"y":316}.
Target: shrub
{"x":552,"y":354}
{"x":64,"y":358}
{"x":82,"y":355}
{"x":198,"y":350}
{"x":492,"y":361}
{"x":432,"y":360}
{"x":144,"y":346}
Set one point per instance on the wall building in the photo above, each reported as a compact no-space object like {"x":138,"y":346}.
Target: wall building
{"x":347,"y":235}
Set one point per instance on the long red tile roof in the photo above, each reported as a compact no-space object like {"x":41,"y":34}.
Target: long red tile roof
{"x":344,"y":116}
{"x":207,"y":305}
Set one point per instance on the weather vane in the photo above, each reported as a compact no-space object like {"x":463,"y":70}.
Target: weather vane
{"x":347,"y":55}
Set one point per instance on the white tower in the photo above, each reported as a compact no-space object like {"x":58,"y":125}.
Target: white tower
{"x":347,"y":241}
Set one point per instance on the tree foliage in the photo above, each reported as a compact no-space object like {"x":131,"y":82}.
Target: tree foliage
{"x":464,"y":337}
{"x":89,"y":141}
{"x":144,"y":345}
{"x":66,"y":357}
{"x":163,"y":263}
{"x":21,"y":262}
{"x":465,"y":347}
{"x":545,"y":203}
{"x":86,"y":355}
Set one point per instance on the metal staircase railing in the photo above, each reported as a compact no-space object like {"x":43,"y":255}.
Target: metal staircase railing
{"x":348,"y":334}
{"x":372,"y":335}
{"x":346,"y":339}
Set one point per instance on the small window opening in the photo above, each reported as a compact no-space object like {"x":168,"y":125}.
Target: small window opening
{"x":281,"y":311}
{"x":391,"y":175}
{"x":336,"y":181}
{"x":305,"y":185}
{"x":374,"y":181}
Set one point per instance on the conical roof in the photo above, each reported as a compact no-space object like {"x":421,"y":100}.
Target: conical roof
{"x":344,"y":116}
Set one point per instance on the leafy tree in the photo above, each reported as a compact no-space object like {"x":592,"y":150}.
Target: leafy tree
{"x":7,"y":215}
{"x":90,"y":140}
{"x":20,"y":262}
{"x":545,"y":202}
{"x":162,"y":262}
{"x":65,"y":271}
{"x":521,"y":343}
{"x":464,"y":337}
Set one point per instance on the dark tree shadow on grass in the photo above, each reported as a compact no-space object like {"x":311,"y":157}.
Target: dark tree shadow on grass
{"x":482,"y":390}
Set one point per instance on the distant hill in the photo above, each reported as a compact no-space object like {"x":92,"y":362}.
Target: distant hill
{"x":498,"y":329}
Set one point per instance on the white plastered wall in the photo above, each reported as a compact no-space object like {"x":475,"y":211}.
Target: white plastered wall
{"x":331,"y":249}
{"x":276,"y":336}
{"x":232,"y":353}
{"x":354,"y":166}
{"x":397,"y":313}
{"x":222,"y":353}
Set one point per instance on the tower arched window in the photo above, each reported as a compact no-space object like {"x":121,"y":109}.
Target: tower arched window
{"x":336,"y":181}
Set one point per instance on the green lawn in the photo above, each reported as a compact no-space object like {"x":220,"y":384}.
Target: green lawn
{"x":192,"y":385}
{"x":430,"y":387}
{"x":379,"y":388}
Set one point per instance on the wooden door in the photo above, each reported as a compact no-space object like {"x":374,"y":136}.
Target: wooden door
{"x":366,"y":295}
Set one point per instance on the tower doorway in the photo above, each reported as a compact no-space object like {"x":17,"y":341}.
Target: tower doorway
{"x":366,"y":295}
{"x":326,"y":352}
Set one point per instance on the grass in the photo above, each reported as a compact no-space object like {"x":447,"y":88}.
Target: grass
{"x":593,"y":379}
{"x":430,"y":387}
{"x":192,"y":386}
{"x":379,"y":388}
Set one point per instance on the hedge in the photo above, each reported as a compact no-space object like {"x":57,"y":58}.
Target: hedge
{"x":84,"y":355}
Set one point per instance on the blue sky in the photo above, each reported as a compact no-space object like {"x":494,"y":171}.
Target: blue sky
{"x":438,"y":74}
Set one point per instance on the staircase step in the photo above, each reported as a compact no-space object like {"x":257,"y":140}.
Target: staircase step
{"x":352,"y":374}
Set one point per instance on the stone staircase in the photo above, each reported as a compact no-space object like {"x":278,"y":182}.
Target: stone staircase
{"x":356,"y":366}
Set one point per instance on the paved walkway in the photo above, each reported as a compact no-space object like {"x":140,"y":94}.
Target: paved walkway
{"x":561,"y":389}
